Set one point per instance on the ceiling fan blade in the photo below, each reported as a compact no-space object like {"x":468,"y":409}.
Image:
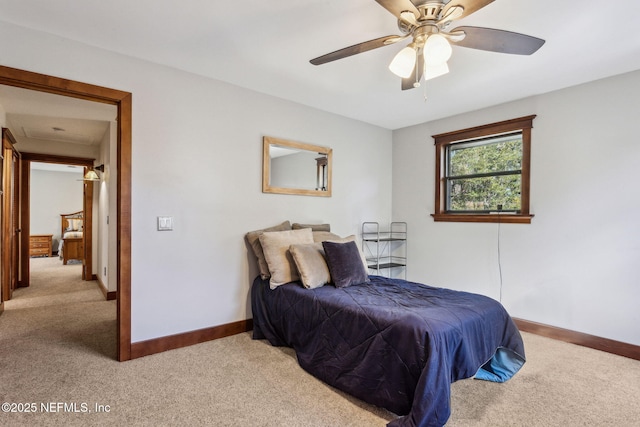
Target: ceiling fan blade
{"x":468,"y":6}
{"x":396,"y":7}
{"x":409,"y":82}
{"x":498,"y":41}
{"x":356,"y":48}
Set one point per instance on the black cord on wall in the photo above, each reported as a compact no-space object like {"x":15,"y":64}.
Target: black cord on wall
{"x":499,"y":260}
{"x":499,"y":257}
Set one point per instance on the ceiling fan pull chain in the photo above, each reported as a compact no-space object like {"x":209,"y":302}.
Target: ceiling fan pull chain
{"x":416,"y":83}
{"x":424,"y":91}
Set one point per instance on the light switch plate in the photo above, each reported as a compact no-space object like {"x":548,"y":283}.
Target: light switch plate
{"x":165,"y":223}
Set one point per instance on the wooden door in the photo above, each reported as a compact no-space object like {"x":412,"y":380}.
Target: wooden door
{"x":15,"y":220}
{"x":10,"y":219}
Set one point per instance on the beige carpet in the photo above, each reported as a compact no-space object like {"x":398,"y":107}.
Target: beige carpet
{"x":57,"y":345}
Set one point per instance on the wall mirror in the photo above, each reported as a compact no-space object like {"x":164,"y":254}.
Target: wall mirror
{"x":290,"y":167}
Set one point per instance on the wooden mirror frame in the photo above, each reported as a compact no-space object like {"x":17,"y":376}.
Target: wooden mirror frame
{"x":266,"y":167}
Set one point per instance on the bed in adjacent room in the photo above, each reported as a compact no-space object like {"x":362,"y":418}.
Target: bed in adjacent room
{"x":390,"y":342}
{"x":71,"y":245}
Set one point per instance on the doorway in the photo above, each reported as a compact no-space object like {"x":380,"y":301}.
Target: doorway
{"x":123,"y":102}
{"x":26,"y":210}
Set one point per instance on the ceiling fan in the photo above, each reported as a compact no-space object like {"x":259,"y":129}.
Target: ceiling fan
{"x":425,"y":23}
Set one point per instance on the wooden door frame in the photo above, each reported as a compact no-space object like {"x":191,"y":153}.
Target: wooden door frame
{"x":1,"y":229}
{"x":25,"y":211}
{"x":87,"y":238}
{"x":123,"y":101}
{"x":10,"y":210}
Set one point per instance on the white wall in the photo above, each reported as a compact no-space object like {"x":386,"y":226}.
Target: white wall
{"x":111,"y":178}
{"x":104,"y":214}
{"x":196,"y":156}
{"x":297,"y":170}
{"x":51,"y":194}
{"x":576,"y":265}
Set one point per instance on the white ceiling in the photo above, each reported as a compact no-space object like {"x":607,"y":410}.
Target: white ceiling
{"x":266,"y":46}
{"x":48,"y":117}
{"x":56,"y":167}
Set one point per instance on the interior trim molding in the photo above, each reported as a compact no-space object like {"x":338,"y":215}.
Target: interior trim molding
{"x":108,"y":296}
{"x":579,"y":338}
{"x":172,"y":342}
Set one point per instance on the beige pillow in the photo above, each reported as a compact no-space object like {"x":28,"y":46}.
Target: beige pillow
{"x":275,"y":245}
{"x":311,"y":264}
{"x":74,"y":225}
{"x":351,"y":238}
{"x":313,"y":227}
{"x":321,"y":236}
{"x":253,"y":237}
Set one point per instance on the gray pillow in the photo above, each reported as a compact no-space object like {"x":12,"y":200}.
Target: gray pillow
{"x":253,"y":237}
{"x":313,"y":227}
{"x":275,"y":245}
{"x":313,"y":269}
{"x":345,"y":264}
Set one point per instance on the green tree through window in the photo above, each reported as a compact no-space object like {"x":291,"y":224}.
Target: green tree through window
{"x":484,"y":175}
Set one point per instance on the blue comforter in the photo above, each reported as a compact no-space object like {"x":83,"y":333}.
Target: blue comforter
{"x":392,"y":343}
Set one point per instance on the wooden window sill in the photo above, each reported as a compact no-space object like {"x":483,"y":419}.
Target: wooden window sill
{"x":505,"y":218}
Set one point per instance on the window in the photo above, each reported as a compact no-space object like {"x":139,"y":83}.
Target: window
{"x":484,"y":175}
{"x":484,"y":170}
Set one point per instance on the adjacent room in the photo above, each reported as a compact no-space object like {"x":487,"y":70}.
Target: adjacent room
{"x":227,"y":158}
{"x":56,"y":196}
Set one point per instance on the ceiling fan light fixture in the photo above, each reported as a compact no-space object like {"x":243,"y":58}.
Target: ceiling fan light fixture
{"x":433,"y":71}
{"x":404,"y":62}
{"x":426,"y":22}
{"x":437,"y":50}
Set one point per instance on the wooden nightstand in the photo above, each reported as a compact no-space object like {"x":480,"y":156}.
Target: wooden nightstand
{"x":40,"y":244}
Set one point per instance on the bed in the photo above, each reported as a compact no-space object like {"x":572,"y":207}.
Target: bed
{"x":389,"y":342}
{"x":71,"y":245}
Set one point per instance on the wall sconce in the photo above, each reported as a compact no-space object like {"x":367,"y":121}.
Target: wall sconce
{"x":92,"y":175}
